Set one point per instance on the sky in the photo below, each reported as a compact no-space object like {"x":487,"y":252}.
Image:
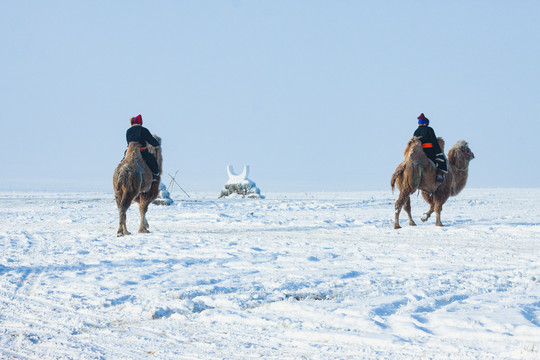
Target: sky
{"x":313,"y":95}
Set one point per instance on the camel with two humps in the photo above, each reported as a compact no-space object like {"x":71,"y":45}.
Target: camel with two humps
{"x":417,"y":172}
{"x":132,"y":181}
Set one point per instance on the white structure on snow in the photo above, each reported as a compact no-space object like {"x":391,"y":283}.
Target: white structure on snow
{"x":164,"y":198}
{"x":239,"y":184}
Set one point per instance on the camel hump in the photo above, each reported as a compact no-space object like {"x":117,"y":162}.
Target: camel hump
{"x":157,"y":138}
{"x":133,"y":151}
{"x":134,"y":145}
{"x":441,"y":143}
{"x":413,"y":144}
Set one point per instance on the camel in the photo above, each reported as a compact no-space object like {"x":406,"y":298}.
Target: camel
{"x":417,"y":172}
{"x":132,"y":181}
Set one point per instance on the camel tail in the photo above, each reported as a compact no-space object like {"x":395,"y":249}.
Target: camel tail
{"x":397,"y":174}
{"x":393,"y":181}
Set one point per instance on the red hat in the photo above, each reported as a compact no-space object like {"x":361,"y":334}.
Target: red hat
{"x":136,"y":120}
{"x":422,"y":120}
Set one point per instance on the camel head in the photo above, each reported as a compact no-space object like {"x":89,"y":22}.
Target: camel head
{"x":460,"y":154}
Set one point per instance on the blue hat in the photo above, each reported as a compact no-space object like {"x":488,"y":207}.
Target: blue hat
{"x":423,"y":120}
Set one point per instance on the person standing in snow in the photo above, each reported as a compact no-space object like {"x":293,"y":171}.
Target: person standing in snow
{"x":431,"y":147}
{"x":142,"y":135}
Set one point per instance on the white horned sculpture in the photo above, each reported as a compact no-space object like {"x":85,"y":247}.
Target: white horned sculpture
{"x":240,"y":184}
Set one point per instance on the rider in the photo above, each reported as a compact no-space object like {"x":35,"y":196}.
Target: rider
{"x":141,"y":135}
{"x":431,"y":147}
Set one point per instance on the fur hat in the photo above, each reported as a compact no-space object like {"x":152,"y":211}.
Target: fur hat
{"x":422,"y":120}
{"x":136,"y":120}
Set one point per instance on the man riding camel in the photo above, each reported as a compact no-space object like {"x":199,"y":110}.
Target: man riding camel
{"x":140,"y":134}
{"x":431,"y":147}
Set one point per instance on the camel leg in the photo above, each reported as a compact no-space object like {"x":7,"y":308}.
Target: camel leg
{"x":402,"y":199}
{"x":407,"y":208}
{"x":439,"y":201}
{"x":121,"y":222}
{"x":123,"y":204}
{"x":429,"y":200}
{"x":438,"y":209}
{"x":145,"y":199}
{"x":122,"y":229}
{"x":143,"y":208}
{"x":396,"y":218}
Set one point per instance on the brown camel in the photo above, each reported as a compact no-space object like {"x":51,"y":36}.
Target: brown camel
{"x":459,"y":157}
{"x":417,"y":172}
{"x":132,"y":181}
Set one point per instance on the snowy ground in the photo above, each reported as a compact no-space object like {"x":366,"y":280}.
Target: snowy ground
{"x":316,"y":276}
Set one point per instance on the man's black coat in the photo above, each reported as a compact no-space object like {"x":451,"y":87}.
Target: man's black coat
{"x":434,"y":152}
{"x":142,"y":136}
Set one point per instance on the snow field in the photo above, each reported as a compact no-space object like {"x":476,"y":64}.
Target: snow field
{"x":317,"y":276}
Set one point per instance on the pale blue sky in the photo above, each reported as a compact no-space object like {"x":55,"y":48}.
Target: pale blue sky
{"x":314,"y":95}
